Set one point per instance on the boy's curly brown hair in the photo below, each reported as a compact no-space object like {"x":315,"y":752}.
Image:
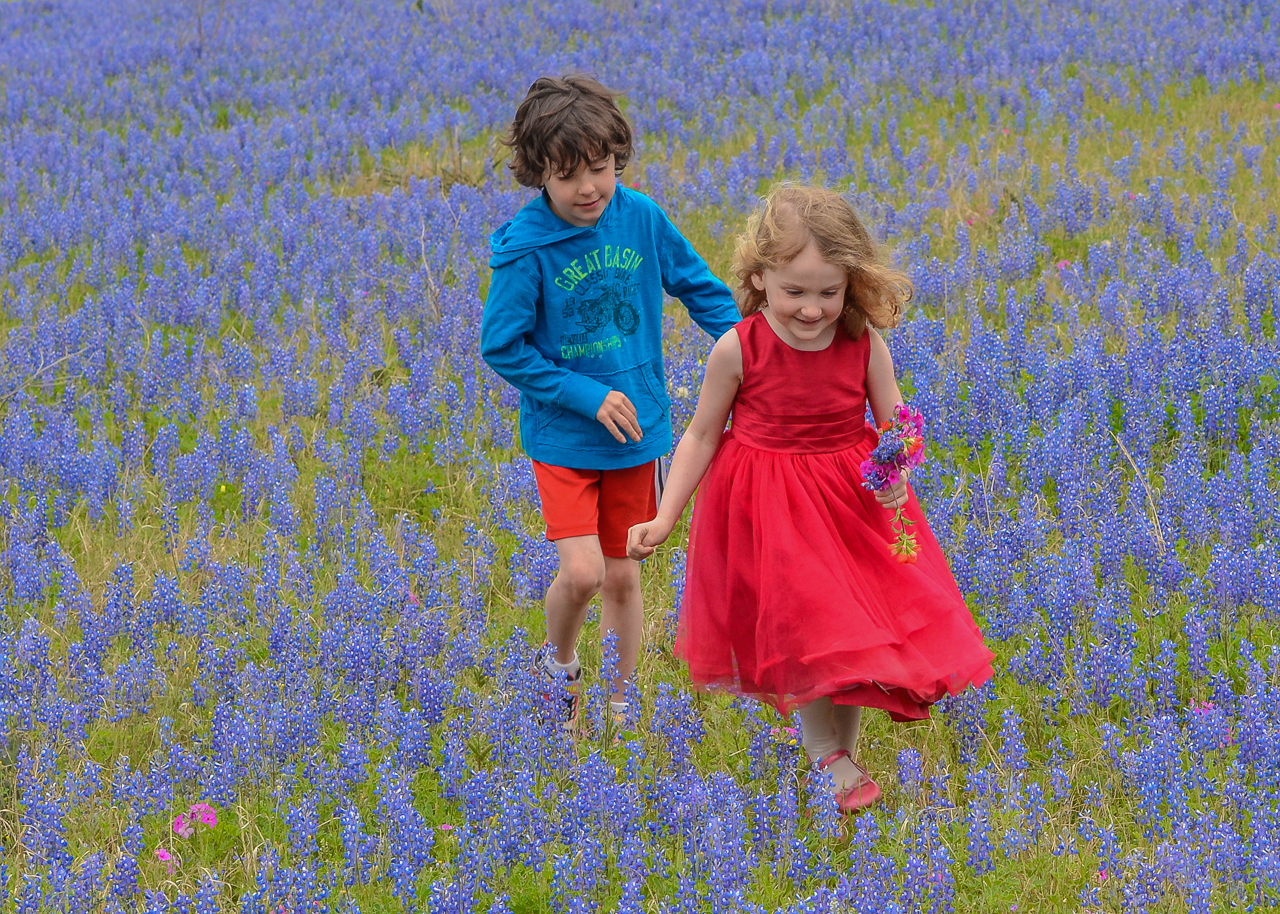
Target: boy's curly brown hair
{"x":562,"y":123}
{"x":791,"y":217}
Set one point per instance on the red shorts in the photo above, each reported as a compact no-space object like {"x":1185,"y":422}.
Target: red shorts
{"x":603,"y":503}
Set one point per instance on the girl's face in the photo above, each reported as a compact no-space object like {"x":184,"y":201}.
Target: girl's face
{"x":806,"y":296}
{"x":581,"y":197}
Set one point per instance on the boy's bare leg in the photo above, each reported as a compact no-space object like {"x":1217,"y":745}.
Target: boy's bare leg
{"x":622,"y":610}
{"x":581,"y":575}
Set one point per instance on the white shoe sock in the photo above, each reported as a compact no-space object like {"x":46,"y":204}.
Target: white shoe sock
{"x":573,"y":668}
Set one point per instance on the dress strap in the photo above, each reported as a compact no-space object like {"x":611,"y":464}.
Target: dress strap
{"x":749,"y":337}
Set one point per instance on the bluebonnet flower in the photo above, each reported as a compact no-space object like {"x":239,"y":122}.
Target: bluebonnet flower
{"x":675,"y":717}
{"x":31,"y":898}
{"x":978,"y":837}
{"x":1013,"y":749}
{"x":910,"y":771}
{"x":303,"y":821}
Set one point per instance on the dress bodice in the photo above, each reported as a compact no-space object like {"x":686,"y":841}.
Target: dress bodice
{"x":798,"y":401}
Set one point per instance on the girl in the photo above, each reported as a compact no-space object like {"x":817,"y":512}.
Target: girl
{"x":791,"y":594}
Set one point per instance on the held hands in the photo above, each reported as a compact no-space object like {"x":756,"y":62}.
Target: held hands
{"x":618,"y":415}
{"x":642,"y":539}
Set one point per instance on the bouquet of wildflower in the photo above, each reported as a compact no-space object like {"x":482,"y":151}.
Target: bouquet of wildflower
{"x":901,"y":447}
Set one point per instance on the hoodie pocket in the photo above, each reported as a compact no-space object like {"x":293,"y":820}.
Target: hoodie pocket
{"x":641,"y":384}
{"x":657,"y":386}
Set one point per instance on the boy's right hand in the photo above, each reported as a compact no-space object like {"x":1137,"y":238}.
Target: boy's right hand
{"x":618,"y":415}
{"x":642,"y":539}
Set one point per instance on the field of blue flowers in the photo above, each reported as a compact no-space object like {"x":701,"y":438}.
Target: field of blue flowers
{"x":271,"y":559}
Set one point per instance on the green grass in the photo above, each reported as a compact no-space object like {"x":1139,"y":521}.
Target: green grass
{"x":445,"y":498}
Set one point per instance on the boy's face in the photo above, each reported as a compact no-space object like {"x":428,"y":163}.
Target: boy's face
{"x":581,"y":197}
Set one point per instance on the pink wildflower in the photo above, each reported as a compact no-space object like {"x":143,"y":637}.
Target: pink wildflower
{"x":208,"y":815}
{"x":445,"y":826}
{"x":184,"y":826}
{"x":1062,"y":264}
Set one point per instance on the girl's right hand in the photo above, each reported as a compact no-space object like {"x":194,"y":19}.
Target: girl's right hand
{"x":642,"y":539}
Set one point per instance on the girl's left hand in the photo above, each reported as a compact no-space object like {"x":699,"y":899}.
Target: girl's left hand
{"x":895,"y":496}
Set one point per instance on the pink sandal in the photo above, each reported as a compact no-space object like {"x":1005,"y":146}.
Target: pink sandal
{"x":861,"y":795}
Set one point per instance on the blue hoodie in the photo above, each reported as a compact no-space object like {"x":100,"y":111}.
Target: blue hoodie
{"x":574,"y":312}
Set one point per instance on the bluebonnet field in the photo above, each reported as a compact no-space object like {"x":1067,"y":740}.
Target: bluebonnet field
{"x":269,"y":546}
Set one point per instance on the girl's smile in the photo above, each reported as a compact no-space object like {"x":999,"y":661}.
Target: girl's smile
{"x":805,"y":298}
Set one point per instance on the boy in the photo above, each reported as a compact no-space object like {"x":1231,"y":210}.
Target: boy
{"x":573,"y":320}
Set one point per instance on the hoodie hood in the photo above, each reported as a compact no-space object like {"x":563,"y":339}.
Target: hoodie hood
{"x":533,"y":227}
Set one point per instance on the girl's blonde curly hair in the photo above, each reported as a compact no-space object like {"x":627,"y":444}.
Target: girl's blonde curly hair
{"x":791,"y":217}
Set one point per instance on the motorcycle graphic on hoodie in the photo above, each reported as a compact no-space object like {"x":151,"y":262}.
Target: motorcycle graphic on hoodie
{"x":573,"y":312}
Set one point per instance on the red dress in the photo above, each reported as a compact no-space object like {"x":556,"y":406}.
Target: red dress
{"x":790,"y":590}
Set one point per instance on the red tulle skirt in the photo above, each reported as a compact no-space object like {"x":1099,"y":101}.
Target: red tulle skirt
{"x":791,"y":592}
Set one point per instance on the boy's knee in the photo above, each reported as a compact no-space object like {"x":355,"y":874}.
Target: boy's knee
{"x":583,"y":577}
{"x":621,"y":580}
